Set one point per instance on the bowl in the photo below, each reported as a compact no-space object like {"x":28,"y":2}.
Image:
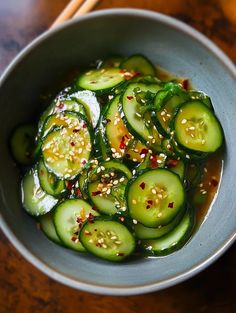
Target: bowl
{"x":175,"y":47}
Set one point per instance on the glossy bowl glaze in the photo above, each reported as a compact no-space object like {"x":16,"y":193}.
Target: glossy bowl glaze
{"x":175,"y":47}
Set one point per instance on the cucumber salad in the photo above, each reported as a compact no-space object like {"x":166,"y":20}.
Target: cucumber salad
{"x":115,"y":164}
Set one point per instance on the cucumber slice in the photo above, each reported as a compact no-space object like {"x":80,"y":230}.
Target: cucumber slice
{"x":140,"y":64}
{"x":141,"y":127}
{"x":107,"y":239}
{"x":199,"y":95}
{"x":102,"y":80}
{"x":69,"y":218}
{"x":173,"y":240}
{"x":35,"y":201}
{"x":106,"y":187}
{"x":90,"y":103}
{"x":48,"y":227}
{"x":176,"y":166}
{"x":155,"y":197}
{"x":197,"y":128}
{"x":143,"y":232}
{"x":168,"y":110}
{"x":62,"y":119}
{"x":118,"y":136}
{"x":49,"y":182}
{"x":22,"y":143}
{"x":66,"y":151}
{"x":59,"y":105}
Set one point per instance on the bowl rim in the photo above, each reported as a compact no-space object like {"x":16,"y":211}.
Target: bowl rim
{"x":31,"y":257}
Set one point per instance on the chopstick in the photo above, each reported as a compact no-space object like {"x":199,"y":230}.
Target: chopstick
{"x":73,"y":9}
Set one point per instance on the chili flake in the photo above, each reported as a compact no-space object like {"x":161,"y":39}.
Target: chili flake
{"x":95,"y":193}
{"x":144,"y":151}
{"x":120,"y":254}
{"x":90,"y":218}
{"x":122,"y":143}
{"x":130,"y":97}
{"x":142,"y":185}
{"x":214,"y":182}
{"x":185,"y":84}
{"x":171,"y":205}
{"x":172,"y":163}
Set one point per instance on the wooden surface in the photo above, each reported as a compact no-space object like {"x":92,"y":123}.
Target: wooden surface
{"x":22,"y":287}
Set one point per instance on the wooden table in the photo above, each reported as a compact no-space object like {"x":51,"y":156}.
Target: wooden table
{"x":25,"y":289}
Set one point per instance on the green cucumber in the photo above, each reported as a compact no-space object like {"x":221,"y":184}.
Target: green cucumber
{"x":155,"y":197}
{"x":69,"y":217}
{"x":140,"y":64}
{"x":107,"y":239}
{"x":48,"y":227}
{"x":197,"y":128}
{"x":35,"y":201}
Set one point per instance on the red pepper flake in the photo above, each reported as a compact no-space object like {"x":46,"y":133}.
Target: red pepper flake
{"x":126,"y":136}
{"x":94,"y":208}
{"x":78,"y":192}
{"x":122,"y":143}
{"x":120,"y":254}
{"x":84,"y":162}
{"x":108,"y":120}
{"x":171,"y":205}
{"x":136,"y":74}
{"x":61,"y":105}
{"x":150,"y":202}
{"x":130,"y":97}
{"x":214,"y":182}
{"x":127,"y":155}
{"x":172,"y":163}
{"x":84,"y":125}
{"x":73,"y":238}
{"x":75,"y":130}
{"x":122,"y":71}
{"x":90,"y":218}
{"x":72,"y":144}
{"x":121,"y":218}
{"x":79,"y":220}
{"x":148,"y":207}
{"x":93,"y":81}
{"x":153,"y":161}
{"x":70,"y":184}
{"x":185,"y":84}
{"x":144,"y":151}
{"x":95,"y":193}
{"x":142,"y":185}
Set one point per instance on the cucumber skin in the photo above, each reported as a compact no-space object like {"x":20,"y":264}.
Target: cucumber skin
{"x":115,"y":219}
{"x":183,"y":241}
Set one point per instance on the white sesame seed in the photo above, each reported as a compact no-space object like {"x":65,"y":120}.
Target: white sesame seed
{"x":134,"y":201}
{"x":184,"y":121}
{"x":154,"y":191}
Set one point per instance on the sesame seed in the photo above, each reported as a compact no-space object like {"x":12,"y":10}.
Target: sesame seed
{"x":122,"y":179}
{"x":184,"y":121}
{"x":135,"y":222}
{"x":134,"y":201}
{"x":113,"y":237}
{"x":135,"y":160}
{"x":154,"y":191}
{"x":104,"y":246}
{"x":163,"y":113}
{"x":115,"y":182}
{"x":138,"y":114}
{"x":159,"y":214}
{"x":187,"y":156}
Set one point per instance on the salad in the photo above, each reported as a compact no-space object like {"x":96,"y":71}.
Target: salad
{"x":115,"y":165}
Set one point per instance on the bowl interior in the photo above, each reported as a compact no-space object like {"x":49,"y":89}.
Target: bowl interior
{"x":167,"y":43}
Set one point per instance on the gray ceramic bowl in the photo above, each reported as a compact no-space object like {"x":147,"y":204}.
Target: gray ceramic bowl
{"x":174,"y":46}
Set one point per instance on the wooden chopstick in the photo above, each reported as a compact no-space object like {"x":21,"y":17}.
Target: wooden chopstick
{"x":86,"y":7}
{"x":73,"y":9}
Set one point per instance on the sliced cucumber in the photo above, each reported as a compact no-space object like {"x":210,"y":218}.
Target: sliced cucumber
{"x":89,"y":101}
{"x":106,"y":186}
{"x":168,"y":109}
{"x":48,"y":227}
{"x":59,"y":120}
{"x":60,"y":105}
{"x":176,"y":166}
{"x":66,"y":151}
{"x":173,"y":240}
{"x":49,"y":182}
{"x":118,"y":136}
{"x":155,"y":197}
{"x":141,"y":127}
{"x":199,"y":95}
{"x":23,"y":144}
{"x":102,"y":80}
{"x":140,"y":64}
{"x":69,"y":218}
{"x":143,"y":232}
{"x":197,"y":128}
{"x":107,"y":239}
{"x":35,"y":201}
